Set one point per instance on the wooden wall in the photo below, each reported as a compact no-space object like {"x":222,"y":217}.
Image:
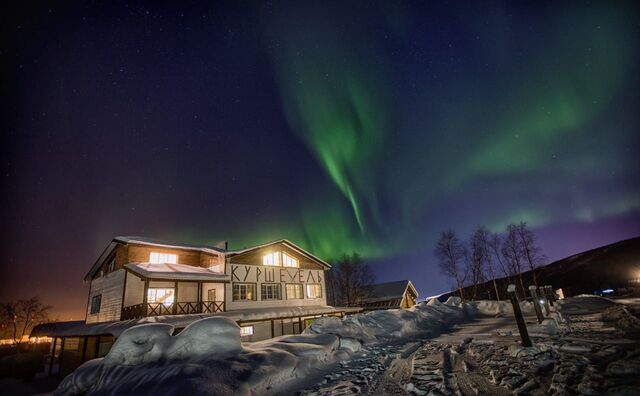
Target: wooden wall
{"x":111,"y":288}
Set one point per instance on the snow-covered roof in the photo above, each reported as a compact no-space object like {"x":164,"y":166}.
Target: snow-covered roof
{"x":160,"y":243}
{"x":283,"y":241}
{"x":175,"y":272}
{"x":389,"y":290}
{"x":80,"y":328}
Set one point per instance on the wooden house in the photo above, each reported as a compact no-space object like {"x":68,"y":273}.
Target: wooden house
{"x":270,"y":290}
{"x":390,"y":295}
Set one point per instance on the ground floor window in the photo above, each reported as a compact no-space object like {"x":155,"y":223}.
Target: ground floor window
{"x":246,"y":331}
{"x":95,"y":303}
{"x":294,"y":291}
{"x":314,"y":290}
{"x":270,"y":291}
{"x":244,"y":292}
{"x":157,"y":295}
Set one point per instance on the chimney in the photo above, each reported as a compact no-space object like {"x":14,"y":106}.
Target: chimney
{"x":222,"y":245}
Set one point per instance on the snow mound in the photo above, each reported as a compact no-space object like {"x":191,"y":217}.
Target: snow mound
{"x":207,"y":357}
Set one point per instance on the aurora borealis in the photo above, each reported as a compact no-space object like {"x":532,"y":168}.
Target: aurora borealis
{"x":366,"y":127}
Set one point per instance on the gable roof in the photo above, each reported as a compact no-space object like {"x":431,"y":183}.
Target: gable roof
{"x":175,"y":272}
{"x":390,"y":290}
{"x":231,"y":253}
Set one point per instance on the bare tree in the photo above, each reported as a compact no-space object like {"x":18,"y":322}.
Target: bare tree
{"x":451,"y":259}
{"x":351,"y":279}
{"x":531,"y":252}
{"x":480,"y":243}
{"x":477,"y":260}
{"x":495,"y":246}
{"x":17,"y":318}
{"x":513,"y":255}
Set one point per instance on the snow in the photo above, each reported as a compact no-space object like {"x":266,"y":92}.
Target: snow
{"x":175,"y":272}
{"x":207,"y":357}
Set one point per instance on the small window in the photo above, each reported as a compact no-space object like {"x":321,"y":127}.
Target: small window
{"x":294,"y":291}
{"x":112,"y":265}
{"x":246,"y":331}
{"x":163,"y":258}
{"x":244,"y":292}
{"x":95,"y":304}
{"x":270,"y":291}
{"x":156,"y":295}
{"x":288,"y":261}
{"x":272,"y":259}
{"x":314,"y":290}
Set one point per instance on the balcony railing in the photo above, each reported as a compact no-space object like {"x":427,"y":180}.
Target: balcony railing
{"x":177,"y":308}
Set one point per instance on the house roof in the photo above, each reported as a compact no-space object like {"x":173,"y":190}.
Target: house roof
{"x":389,"y":290}
{"x":175,"y":272}
{"x":160,"y":243}
{"x":115,"y":328}
{"x":231,"y":253}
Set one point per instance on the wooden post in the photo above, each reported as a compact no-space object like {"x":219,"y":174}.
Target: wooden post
{"x":551,"y":296}
{"x":536,"y":302}
{"x":543,"y":297}
{"x":53,"y":353}
{"x":144,"y":298}
{"x":522,"y":326}
{"x":272,"y":329}
{"x":60,"y":358}
{"x":175,"y":298}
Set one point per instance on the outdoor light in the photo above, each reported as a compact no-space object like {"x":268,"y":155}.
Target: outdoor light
{"x":541,"y":302}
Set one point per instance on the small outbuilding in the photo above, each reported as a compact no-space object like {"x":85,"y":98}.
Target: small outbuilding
{"x":391,"y":295}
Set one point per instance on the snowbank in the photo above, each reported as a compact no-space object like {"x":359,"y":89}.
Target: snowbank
{"x":207,"y":357}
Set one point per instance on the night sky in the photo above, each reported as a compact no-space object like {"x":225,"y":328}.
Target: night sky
{"x":368,"y":127}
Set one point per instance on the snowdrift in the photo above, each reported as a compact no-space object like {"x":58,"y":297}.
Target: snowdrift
{"x":207,"y":357}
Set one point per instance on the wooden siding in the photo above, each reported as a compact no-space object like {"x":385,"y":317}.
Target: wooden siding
{"x":110,"y":287}
{"x":134,"y":293}
{"x":255,"y":257}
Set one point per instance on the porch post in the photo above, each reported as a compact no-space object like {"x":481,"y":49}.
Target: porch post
{"x":60,"y":357}
{"x":144,"y":297}
{"x":199,"y":299}
{"x":174,"y":309}
{"x":53,"y":353}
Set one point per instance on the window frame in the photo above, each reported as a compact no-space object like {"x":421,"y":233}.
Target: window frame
{"x":92,"y":310}
{"x":160,"y":256}
{"x":155,"y":297}
{"x":233,"y":292}
{"x":275,"y":259}
{"x":277,"y":286}
{"x":319,"y":285}
{"x":285,"y":256}
{"x":299,"y":285}
{"x":247,"y":327}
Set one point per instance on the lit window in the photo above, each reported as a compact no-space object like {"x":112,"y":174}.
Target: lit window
{"x":314,"y":290}
{"x":95,"y":304}
{"x":164,"y":296}
{"x":246,"y":331}
{"x":270,"y":291}
{"x":288,"y":261}
{"x":244,"y":292}
{"x":162,"y":258}
{"x":272,"y":259}
{"x":294,"y":291}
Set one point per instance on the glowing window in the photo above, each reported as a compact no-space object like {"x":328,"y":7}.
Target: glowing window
{"x":246,"y":331}
{"x":288,"y":261}
{"x":271,"y":259}
{"x":244,"y":291}
{"x":314,"y":290}
{"x":162,"y":258}
{"x":156,"y":295}
{"x":270,"y":291}
{"x":294,"y":291}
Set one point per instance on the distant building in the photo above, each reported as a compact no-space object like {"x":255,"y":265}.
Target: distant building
{"x":270,"y":290}
{"x":390,"y":295}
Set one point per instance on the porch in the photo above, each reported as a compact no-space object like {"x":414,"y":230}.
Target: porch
{"x":157,"y":290}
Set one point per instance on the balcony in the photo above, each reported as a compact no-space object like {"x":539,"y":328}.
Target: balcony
{"x":178,"y":308}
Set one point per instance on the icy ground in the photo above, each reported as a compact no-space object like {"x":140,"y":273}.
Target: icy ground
{"x":433,"y":348}
{"x":594,"y":351}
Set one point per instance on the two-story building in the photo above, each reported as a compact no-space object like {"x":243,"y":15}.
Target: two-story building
{"x":270,"y":290}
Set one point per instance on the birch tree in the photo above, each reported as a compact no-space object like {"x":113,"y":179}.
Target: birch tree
{"x":451,"y":259}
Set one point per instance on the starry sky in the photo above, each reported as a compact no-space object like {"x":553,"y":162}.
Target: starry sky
{"x":345,"y":127}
